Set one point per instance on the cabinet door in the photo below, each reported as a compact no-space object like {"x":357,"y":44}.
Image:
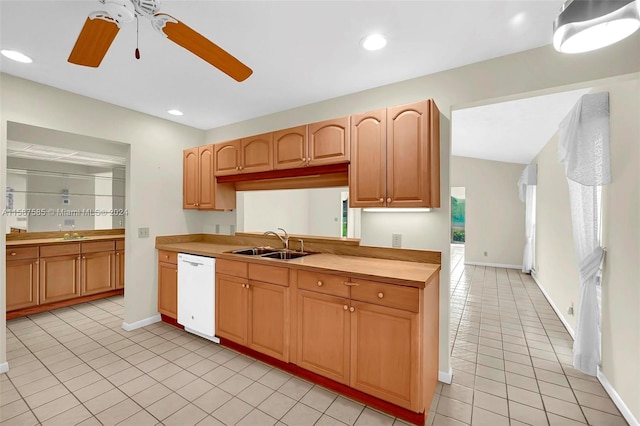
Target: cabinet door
{"x":408,"y":156}
{"x":269,"y":319}
{"x":22,"y":284}
{"x":329,"y":142}
{"x":323,"y":335}
{"x":190,"y":178}
{"x":385,"y":353}
{"x":98,"y":272}
{"x":231,"y":308}
{"x":290,"y":148}
{"x":120,"y":269}
{"x":227,"y":158}
{"x":59,"y":278}
{"x":257,"y":154}
{"x":368,"y":170}
{"x":206,"y":178}
{"x":168,"y":289}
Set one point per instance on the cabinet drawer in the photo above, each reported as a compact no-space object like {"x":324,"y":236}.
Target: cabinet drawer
{"x":98,"y":246}
{"x":16,"y":253}
{"x":60,"y":250}
{"x":119,"y":244}
{"x":269,"y":274}
{"x":323,"y":283}
{"x":231,"y":267}
{"x":394,"y":296}
{"x":168,"y":256}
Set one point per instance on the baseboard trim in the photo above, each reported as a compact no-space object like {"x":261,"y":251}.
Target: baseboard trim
{"x":4,"y":367}
{"x":555,"y":308}
{"x":494,"y":265}
{"x":626,"y":413}
{"x":445,"y":376}
{"x":142,"y":323}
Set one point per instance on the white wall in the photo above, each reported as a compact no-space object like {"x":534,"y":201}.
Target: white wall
{"x":18,"y":183}
{"x":494,"y":221}
{"x":555,"y":257}
{"x":325,"y":211}
{"x":103,"y":187}
{"x":535,"y":72}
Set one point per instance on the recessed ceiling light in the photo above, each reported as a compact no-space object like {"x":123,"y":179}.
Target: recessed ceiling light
{"x":16,"y":56}
{"x":373,"y":42}
{"x":174,"y":112}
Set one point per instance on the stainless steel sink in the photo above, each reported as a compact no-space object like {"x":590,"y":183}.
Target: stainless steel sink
{"x":255,"y":251}
{"x":285,"y":254}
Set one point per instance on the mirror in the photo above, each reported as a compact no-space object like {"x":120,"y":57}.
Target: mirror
{"x":319,"y":212}
{"x":63,"y":182}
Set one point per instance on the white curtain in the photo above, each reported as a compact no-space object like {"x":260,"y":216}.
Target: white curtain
{"x":584,"y":149}
{"x":527,"y":188}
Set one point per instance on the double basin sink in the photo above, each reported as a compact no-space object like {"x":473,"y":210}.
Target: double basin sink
{"x":271,"y":253}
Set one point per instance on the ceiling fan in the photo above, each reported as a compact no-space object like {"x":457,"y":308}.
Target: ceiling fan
{"x":101,"y":28}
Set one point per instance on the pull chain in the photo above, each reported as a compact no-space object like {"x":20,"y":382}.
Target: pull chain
{"x":137,"y":37}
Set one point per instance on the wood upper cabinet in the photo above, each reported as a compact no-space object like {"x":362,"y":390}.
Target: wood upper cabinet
{"x":290,"y":148}
{"x":98,"y":272}
{"x":248,"y":155}
{"x":323,"y":335}
{"x":22,"y":277}
{"x":167,"y":288}
{"x":227,"y":158}
{"x":59,"y":278}
{"x":368,"y":168}
{"x":413,"y":155}
{"x":382,"y":336}
{"x":200,"y":189}
{"x":329,"y":142}
{"x":317,"y":144}
{"x":231,"y":308}
{"x":395,"y":159}
{"x":256,"y":153}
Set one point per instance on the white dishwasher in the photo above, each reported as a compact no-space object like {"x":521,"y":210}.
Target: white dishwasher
{"x":196,"y":295}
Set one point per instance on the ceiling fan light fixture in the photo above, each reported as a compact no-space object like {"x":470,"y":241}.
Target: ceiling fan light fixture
{"x":175,"y":112}
{"x":373,"y":42}
{"x":14,"y":55}
{"x":585,"y":25}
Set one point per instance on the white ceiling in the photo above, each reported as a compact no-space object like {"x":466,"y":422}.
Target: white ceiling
{"x":514,"y":131}
{"x":301,"y":52}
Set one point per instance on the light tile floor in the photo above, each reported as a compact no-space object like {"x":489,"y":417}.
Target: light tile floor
{"x":511,"y":360}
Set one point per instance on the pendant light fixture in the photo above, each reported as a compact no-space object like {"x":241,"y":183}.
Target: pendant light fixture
{"x":585,"y":25}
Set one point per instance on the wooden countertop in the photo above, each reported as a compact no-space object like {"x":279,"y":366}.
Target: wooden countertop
{"x":42,"y":241}
{"x":414,"y":274}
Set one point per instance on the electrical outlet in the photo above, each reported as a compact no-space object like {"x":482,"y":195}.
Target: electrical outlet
{"x":143,"y":232}
{"x":485,"y":254}
{"x":570,"y":310}
{"x":396,"y":240}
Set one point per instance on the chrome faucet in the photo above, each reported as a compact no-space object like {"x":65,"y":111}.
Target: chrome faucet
{"x":284,"y":238}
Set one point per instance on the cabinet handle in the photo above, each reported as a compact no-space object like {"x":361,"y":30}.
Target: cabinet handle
{"x":352,"y":309}
{"x":380,"y":295}
{"x":345,"y":307}
{"x":241,"y":167}
{"x":388,"y":200}
{"x":166,"y":256}
{"x":320,"y":283}
{"x":242,"y":285}
{"x":237,"y":167}
{"x":83,"y":257}
{"x":347,"y":283}
{"x":13,"y":253}
{"x":247,"y":286}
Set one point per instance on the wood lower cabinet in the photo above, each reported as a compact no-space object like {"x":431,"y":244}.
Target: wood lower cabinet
{"x":250,"y":312}
{"x":323,"y":337}
{"x":119,"y":269}
{"x":231,"y":308}
{"x":98,"y":272}
{"x":385,"y":353}
{"x":22,"y":284}
{"x":168,"y":288}
{"x":59,"y":278}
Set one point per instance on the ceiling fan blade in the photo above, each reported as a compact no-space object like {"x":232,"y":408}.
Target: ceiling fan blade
{"x":197,"y":44}
{"x":95,"y":38}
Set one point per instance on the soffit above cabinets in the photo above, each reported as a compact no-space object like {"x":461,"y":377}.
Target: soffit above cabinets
{"x":62,"y":155}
